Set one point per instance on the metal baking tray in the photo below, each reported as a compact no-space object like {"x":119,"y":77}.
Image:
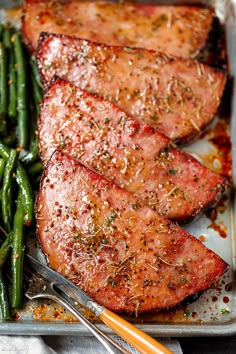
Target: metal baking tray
{"x":214,"y":312}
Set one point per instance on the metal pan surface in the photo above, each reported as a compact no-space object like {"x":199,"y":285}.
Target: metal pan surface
{"x":214,"y":312}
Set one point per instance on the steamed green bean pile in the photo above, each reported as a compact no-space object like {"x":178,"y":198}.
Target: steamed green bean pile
{"x":20,"y":167}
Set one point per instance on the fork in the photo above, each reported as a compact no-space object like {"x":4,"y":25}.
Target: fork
{"x":58,"y":287}
{"x":39,"y":287}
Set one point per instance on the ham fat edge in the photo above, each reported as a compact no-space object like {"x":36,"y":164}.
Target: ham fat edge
{"x":130,"y":153}
{"x":128,"y":258}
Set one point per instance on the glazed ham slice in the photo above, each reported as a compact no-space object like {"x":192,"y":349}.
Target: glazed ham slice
{"x":128,"y":259}
{"x":131,"y":154}
{"x":181,"y":30}
{"x":178,"y":97}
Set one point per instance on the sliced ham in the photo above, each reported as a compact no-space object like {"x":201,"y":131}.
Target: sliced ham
{"x":128,"y":259}
{"x":181,"y":30}
{"x":176,"y":96}
{"x":133,"y":155}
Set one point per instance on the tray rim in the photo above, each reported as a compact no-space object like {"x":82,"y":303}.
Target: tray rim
{"x":227,"y":328}
{"x":160,"y":330}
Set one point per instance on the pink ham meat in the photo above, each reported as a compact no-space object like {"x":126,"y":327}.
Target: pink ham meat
{"x":131,"y":154}
{"x":181,"y":30}
{"x":128,"y":259}
{"x":178,"y":97}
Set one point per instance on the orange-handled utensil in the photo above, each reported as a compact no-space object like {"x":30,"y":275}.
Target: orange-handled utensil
{"x":134,"y":336}
{"x":54,"y":286}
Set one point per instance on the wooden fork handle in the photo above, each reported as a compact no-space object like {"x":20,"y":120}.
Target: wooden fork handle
{"x":144,"y":343}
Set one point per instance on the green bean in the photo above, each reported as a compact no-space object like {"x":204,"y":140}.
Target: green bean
{"x":1,"y":30}
{"x":3,"y":78}
{"x":35,"y":169}
{"x":6,"y":37}
{"x":22,"y":113}
{"x":35,"y":71}
{"x":7,"y":34}
{"x":24,"y":184}
{"x":3,"y":89}
{"x":4,"y":151}
{"x":7,"y":190}
{"x":12,"y":88}
{"x":32,"y":155}
{"x":2,"y":166}
{"x":17,"y":257}
{"x":16,"y":103}
{"x":27,"y":194}
{"x":4,"y":300}
{"x":37,"y":94}
{"x":10,"y":140}
{"x":5,"y":249}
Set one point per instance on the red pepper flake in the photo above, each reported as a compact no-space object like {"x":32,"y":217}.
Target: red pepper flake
{"x":56,"y":314}
{"x":225,"y":299}
{"x":194,"y":315}
{"x":17,"y":316}
{"x":27,"y":222}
